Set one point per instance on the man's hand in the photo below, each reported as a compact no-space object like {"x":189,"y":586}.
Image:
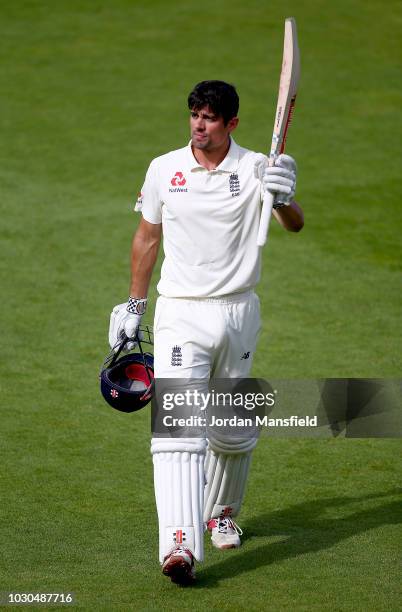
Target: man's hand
{"x":123,"y":322}
{"x":280,"y":179}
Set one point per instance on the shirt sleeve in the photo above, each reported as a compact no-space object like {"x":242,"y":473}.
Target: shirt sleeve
{"x":148,"y":201}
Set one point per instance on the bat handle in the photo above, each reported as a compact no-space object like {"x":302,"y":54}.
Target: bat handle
{"x":265,"y":218}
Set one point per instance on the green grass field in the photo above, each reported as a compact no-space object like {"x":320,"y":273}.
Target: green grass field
{"x":91,"y":92}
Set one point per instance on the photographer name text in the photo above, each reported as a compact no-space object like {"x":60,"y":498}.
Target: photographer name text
{"x":234,"y":421}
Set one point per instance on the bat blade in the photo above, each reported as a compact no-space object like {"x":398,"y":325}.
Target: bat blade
{"x":288,"y":83}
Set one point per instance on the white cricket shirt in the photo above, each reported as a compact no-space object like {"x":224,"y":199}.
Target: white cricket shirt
{"x":209,"y":220}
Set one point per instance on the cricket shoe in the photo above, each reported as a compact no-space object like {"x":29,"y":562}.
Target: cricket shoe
{"x":179,"y":565}
{"x":224,"y":533}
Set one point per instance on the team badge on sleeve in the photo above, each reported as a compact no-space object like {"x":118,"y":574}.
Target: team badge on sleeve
{"x":139,"y":202}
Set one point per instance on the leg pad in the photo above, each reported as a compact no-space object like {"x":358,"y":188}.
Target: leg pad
{"x":226,"y":475}
{"x":179,"y":488}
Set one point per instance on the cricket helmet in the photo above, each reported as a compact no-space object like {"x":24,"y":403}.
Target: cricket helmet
{"x":127,"y":382}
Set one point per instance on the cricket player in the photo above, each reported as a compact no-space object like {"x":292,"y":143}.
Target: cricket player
{"x":205,"y":199}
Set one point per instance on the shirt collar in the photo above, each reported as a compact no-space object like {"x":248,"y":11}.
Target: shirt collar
{"x":229,"y":164}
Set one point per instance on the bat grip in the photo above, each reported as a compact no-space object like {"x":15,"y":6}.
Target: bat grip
{"x":265,"y":218}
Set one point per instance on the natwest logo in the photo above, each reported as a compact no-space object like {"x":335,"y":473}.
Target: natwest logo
{"x":178,"y":179}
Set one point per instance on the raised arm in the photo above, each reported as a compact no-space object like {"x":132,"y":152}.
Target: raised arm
{"x":280,"y":181}
{"x":290,"y":217}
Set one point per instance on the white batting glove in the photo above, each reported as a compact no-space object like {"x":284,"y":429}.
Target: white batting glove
{"x":123,"y":322}
{"x":260,"y":163}
{"x":280,"y":180}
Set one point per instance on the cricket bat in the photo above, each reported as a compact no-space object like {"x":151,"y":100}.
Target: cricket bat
{"x":286,"y":100}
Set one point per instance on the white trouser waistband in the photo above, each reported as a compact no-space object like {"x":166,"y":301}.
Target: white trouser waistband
{"x":220,"y":299}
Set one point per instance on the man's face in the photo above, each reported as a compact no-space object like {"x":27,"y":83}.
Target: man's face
{"x":208,"y":132}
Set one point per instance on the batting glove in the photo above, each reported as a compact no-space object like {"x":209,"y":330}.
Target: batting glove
{"x":280,"y":180}
{"x":122,"y":321}
{"x":260,"y":163}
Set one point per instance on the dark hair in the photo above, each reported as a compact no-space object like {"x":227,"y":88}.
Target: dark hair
{"x":221,"y":98}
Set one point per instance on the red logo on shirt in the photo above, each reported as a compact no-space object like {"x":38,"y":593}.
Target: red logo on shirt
{"x":178,"y":179}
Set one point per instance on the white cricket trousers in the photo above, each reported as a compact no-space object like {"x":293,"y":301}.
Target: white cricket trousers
{"x":200,"y":339}
{"x":205,"y":337}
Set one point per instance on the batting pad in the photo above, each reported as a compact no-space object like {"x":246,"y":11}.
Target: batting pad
{"x":179,"y":491}
{"x":226,"y":475}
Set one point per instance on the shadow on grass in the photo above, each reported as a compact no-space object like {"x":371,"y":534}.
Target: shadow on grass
{"x":303,"y":528}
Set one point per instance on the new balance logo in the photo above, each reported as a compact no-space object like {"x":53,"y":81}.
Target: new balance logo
{"x":177,"y":357}
{"x":246,"y":355}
